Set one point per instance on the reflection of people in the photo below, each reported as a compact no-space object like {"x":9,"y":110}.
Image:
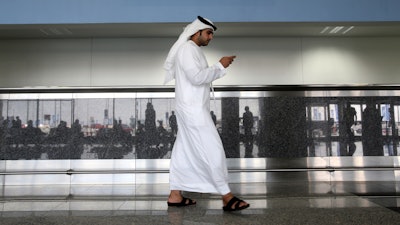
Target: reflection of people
{"x":15,"y":130}
{"x":150,"y":117}
{"x":198,"y":162}
{"x":76,"y":129}
{"x":62,"y":132}
{"x":372,"y":131}
{"x":32,"y":134}
{"x":248,"y":122}
{"x":162,"y":143}
{"x":140,"y":141}
{"x":150,"y":124}
{"x":350,"y":120}
{"x":173,"y":124}
{"x":76,"y":141}
{"x":18,"y":122}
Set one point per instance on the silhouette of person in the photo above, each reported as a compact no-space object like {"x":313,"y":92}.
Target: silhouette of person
{"x":350,"y":119}
{"x":162,"y":144}
{"x":15,"y":131}
{"x":62,"y":133}
{"x":120,"y":135}
{"x":372,"y":130}
{"x":140,"y":128}
{"x":117,"y":127}
{"x":32,"y":135}
{"x":150,"y":124}
{"x":76,"y":141}
{"x":140,"y":141}
{"x":18,"y":123}
{"x":248,"y":123}
{"x":173,"y":123}
{"x":76,"y":128}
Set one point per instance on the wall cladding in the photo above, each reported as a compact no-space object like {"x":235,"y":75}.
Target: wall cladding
{"x":139,"y":61}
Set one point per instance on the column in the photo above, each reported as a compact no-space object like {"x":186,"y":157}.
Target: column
{"x":230,"y":126}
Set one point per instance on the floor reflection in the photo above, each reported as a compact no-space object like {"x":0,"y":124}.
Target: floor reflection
{"x":324,"y":149}
{"x":285,"y":204}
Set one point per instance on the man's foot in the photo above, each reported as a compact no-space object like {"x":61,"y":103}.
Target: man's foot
{"x":176,"y":199}
{"x":234,"y":203}
{"x":184,"y":202}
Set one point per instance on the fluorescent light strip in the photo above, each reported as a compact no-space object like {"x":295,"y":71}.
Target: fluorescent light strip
{"x":56,"y":31}
{"x":348,"y":29}
{"x":336,"y":29}
{"x":325,"y":29}
{"x":44,"y":31}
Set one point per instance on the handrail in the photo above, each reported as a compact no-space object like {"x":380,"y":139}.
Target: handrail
{"x":169,"y":88}
{"x":328,"y":169}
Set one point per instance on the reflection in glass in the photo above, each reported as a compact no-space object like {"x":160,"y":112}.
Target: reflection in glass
{"x":144,"y":128}
{"x":249,"y":116}
{"x":154,"y":135}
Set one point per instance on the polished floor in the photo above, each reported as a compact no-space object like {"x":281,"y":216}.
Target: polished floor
{"x":271,"y":203}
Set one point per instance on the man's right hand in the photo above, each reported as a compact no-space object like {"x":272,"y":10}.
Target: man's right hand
{"x":227,"y":60}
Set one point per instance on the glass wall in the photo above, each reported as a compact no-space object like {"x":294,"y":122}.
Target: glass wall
{"x":142,"y":125}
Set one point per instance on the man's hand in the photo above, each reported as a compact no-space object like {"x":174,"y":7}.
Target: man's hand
{"x":227,"y":60}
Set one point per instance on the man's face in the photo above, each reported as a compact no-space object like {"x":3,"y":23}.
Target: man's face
{"x":205,"y":37}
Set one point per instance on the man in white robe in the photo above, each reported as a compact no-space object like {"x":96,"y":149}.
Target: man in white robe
{"x":198,"y":162}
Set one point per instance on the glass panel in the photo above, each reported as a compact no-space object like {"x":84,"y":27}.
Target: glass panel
{"x":356,"y":128}
{"x":215,"y":111}
{"x":104,"y":127}
{"x":396,"y":121}
{"x":249,"y":117}
{"x":20,"y":136}
{"x":334,"y":118}
{"x":318,"y":113}
{"x":55,"y":120}
{"x":372,"y":140}
{"x":351,"y":132}
{"x":125,"y":127}
{"x":3,"y":129}
{"x":385,"y":113}
{"x":154,"y":137}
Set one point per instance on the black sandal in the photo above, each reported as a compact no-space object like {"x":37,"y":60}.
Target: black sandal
{"x":182,"y":203}
{"x":237,"y":207}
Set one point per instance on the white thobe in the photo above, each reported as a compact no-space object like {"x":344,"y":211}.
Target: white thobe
{"x":198,"y":162}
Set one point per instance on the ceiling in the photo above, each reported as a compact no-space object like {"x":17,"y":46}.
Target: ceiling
{"x":261,"y":29}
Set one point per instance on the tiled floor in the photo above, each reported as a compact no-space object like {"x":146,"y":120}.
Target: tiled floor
{"x":272,"y":203}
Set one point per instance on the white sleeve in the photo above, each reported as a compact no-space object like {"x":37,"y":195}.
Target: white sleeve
{"x":193,"y":66}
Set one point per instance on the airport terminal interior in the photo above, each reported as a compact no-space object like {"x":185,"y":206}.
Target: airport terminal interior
{"x":84,"y":159}
{"x":308,"y":112}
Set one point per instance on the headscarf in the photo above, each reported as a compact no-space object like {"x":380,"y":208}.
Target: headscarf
{"x":199,"y":24}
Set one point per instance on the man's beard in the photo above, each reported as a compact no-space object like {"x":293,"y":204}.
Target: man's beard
{"x":204,"y":42}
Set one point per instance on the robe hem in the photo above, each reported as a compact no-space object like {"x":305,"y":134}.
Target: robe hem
{"x":222,"y":191}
